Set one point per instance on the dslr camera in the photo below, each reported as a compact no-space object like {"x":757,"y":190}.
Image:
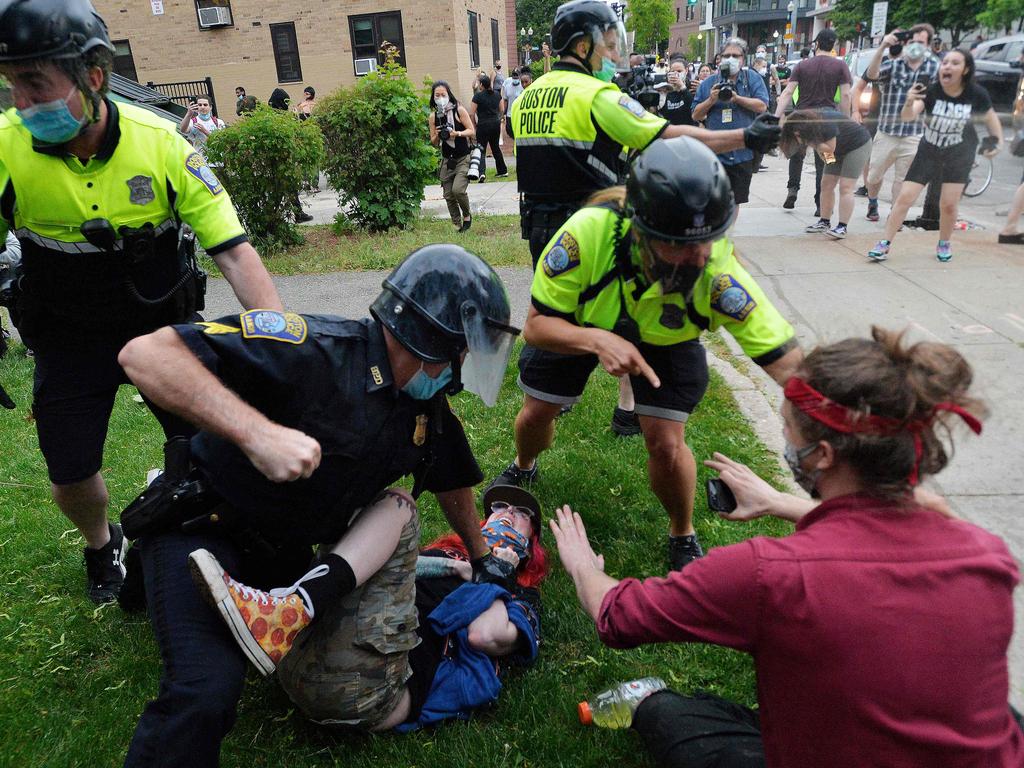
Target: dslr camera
{"x":640,"y":84}
{"x":725,"y":89}
{"x":443,"y":132}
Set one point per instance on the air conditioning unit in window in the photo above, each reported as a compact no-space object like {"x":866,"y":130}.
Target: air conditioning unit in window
{"x":215,"y":16}
{"x":365,"y":66}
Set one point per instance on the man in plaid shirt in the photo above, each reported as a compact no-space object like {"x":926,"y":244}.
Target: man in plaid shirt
{"x":896,"y":141}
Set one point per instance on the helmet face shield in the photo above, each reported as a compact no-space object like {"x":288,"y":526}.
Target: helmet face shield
{"x":489,"y":346}
{"x":610,"y":43}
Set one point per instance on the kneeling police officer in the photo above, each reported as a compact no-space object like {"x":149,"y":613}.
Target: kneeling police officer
{"x":304,"y":421}
{"x":630,"y":282}
{"x":97,"y":194}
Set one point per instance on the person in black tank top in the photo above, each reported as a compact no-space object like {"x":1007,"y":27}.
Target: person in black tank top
{"x":451,"y":129}
{"x":486,"y":111}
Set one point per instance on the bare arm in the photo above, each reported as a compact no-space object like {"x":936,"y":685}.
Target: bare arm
{"x":783,"y":369}
{"x":466,"y":120}
{"x":716,"y":141}
{"x":754,"y":497}
{"x":492,"y":633}
{"x":855,"y":94}
{"x":995,"y":128}
{"x":458,"y":506}
{"x":163,"y":368}
{"x":785,"y":98}
{"x":914,"y":105}
{"x":184,"y":126}
{"x":617,"y":355}
{"x":584,"y":567}
{"x":845,"y":102}
{"x":244,"y":270}
{"x":472,"y":112}
{"x":871,"y":73}
{"x":432,"y":123}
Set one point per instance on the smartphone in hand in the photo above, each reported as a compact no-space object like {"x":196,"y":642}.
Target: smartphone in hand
{"x":720,"y":496}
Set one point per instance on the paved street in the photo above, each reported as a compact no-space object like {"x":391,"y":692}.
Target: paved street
{"x":829,"y":291}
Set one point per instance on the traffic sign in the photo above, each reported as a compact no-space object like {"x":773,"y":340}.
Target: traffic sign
{"x":879,"y":16}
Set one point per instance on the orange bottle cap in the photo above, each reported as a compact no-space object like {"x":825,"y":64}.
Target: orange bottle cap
{"x":586,"y":716}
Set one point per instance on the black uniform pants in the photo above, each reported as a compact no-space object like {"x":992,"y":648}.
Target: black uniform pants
{"x":487,"y":135}
{"x":796,"y":167}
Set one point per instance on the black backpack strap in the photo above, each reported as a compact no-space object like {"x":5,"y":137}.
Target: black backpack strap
{"x":623,"y":265}
{"x":696,"y":317}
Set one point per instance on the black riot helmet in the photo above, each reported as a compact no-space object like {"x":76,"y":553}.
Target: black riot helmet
{"x":584,"y":18}
{"x":49,"y":29}
{"x":678,"y":191}
{"x":442,"y":301}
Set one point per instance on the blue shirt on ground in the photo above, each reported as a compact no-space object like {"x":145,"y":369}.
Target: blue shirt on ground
{"x":747,"y":84}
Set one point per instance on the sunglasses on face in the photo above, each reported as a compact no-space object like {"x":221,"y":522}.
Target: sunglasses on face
{"x":501,"y":506}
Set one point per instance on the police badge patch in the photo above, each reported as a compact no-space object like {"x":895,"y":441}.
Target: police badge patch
{"x":268,"y":324}
{"x":563,"y":256}
{"x":196,"y":165}
{"x":730,"y":298}
{"x":140,"y":190}
{"x":633,"y":106}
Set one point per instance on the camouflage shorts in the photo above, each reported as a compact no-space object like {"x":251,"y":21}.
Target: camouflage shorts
{"x":349,"y":667}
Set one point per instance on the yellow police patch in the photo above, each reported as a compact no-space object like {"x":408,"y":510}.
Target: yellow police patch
{"x":730,"y":298}
{"x":217,"y":329}
{"x":196,"y":165}
{"x":563,"y":255}
{"x":278,"y":326}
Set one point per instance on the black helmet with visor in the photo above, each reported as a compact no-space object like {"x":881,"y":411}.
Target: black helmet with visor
{"x":591,"y":19}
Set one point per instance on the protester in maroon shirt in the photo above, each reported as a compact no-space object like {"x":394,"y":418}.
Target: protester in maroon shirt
{"x":879,"y":628}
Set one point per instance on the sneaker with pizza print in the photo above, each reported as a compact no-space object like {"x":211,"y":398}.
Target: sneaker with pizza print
{"x":264,"y":624}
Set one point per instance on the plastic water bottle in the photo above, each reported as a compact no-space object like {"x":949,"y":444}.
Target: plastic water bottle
{"x":614,"y":708}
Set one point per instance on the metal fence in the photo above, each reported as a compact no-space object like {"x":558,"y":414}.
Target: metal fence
{"x":186,"y":91}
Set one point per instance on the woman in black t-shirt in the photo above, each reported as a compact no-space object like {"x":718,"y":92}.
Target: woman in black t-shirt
{"x":947,"y":149}
{"x":845,"y":147}
{"x":486,"y":112}
{"x":451,"y":129}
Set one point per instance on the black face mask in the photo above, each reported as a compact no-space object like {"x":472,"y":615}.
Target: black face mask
{"x":675,"y":278}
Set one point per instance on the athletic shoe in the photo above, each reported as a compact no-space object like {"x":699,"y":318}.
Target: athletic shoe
{"x":482,"y":179}
{"x":501,"y":175}
{"x":302,"y":218}
{"x":872,"y":213}
{"x":880,"y":252}
{"x":625,"y":423}
{"x":520,"y":478}
{"x":683,"y":550}
{"x":264,"y":624}
{"x":821,"y":225}
{"x":943,"y":251}
{"x":790,"y":200}
{"x":861,"y":192}
{"x":104,"y":567}
{"x":838,"y":232}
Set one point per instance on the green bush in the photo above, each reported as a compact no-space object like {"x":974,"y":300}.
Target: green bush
{"x":263,"y":159}
{"x":378,"y":148}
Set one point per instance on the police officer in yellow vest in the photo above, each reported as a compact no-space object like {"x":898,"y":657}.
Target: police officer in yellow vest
{"x":97,"y":194}
{"x":572,"y":124}
{"x":630,"y":282}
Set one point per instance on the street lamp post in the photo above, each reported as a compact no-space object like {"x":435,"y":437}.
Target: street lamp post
{"x":526,"y":33}
{"x":792,"y":27}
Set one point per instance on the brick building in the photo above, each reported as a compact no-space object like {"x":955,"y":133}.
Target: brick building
{"x":289,"y":45}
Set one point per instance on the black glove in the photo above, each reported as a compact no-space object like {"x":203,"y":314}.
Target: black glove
{"x":493,"y":570}
{"x":763,"y":134}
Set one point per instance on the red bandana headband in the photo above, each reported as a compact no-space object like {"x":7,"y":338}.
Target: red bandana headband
{"x":842,"y":419}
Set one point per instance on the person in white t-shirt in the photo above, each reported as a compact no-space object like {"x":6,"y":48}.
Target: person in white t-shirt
{"x":199,"y":122}
{"x":510,"y":91}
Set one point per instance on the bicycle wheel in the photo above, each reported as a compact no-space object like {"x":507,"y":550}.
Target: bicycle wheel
{"x":981,"y":176}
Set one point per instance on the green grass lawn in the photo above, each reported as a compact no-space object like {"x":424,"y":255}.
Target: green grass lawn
{"x":74,"y":678}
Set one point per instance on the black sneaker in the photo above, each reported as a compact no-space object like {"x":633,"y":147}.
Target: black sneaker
{"x":625,"y":423}
{"x":861,"y":192}
{"x":302,"y":218}
{"x":790,"y":200}
{"x":513,"y":475}
{"x":105,"y":567}
{"x":683,"y":550}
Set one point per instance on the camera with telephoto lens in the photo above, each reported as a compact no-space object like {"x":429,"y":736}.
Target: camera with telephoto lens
{"x":443,"y":132}
{"x":725,"y":90}
{"x":640,"y":84}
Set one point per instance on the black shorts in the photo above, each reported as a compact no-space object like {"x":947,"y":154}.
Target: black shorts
{"x":947,"y":166}
{"x":72,"y":397}
{"x":561,"y":379}
{"x":739,"y":176}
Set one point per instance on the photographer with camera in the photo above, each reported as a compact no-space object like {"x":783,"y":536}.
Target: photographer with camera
{"x":677,"y":99}
{"x":451,"y":129}
{"x":896,"y":140}
{"x":732,"y":98}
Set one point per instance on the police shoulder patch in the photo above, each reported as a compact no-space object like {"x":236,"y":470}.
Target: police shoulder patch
{"x":562,"y":256}
{"x":730,"y":298}
{"x":268,"y":324}
{"x":632,"y":105}
{"x":196,"y":165}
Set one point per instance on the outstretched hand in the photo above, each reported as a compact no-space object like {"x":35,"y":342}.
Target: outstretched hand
{"x":574,"y":548}
{"x":754,"y":497}
{"x":763,"y":134}
{"x":620,"y":357}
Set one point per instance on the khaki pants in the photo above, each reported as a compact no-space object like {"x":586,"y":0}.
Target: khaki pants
{"x":887,"y":150}
{"x":454,"y":183}
{"x":349,"y":667}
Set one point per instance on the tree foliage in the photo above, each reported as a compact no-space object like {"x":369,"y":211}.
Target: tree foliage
{"x":957,"y":16}
{"x":650,"y":20}
{"x":263,"y":160}
{"x":1002,"y":14}
{"x":537,"y":15}
{"x":378,"y":150}
{"x":694,"y":48}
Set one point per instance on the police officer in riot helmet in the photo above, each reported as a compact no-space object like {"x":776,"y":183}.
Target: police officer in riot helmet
{"x":97,"y":193}
{"x":306,"y":422}
{"x":630,"y":282}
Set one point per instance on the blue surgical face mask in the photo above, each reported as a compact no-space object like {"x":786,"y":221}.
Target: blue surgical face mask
{"x":607,"y":71}
{"x":422,"y":387}
{"x":52,"y":121}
